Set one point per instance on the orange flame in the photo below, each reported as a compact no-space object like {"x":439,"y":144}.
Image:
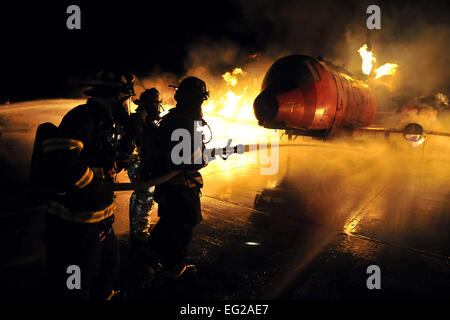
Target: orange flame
{"x":231,"y":77}
{"x":367,"y":59}
{"x":229,"y":109}
{"x":386,"y":69}
{"x":237,"y":103}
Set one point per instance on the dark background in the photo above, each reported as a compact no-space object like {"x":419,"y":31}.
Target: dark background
{"x":39,"y":52}
{"x":39,"y":55}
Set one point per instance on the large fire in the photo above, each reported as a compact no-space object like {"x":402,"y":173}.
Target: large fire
{"x":367,"y":64}
{"x":229,"y":109}
{"x":234,"y":101}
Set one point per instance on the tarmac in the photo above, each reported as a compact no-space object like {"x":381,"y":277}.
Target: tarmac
{"x":308,"y":232}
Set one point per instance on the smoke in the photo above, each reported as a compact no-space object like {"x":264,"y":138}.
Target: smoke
{"x":415,"y":35}
{"x":209,"y":59}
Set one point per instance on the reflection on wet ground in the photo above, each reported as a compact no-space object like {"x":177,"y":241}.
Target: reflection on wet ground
{"x":384,"y":196}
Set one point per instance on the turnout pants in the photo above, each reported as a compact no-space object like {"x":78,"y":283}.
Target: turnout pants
{"x":91,"y":247}
{"x":141,"y":203}
{"x":179,"y":210}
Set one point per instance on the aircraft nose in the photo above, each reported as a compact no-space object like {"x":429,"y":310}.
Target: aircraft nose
{"x":265,"y":106}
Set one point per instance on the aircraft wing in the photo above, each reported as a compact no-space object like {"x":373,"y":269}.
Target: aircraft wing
{"x":411,"y":132}
{"x":379,"y":129}
{"x":435,"y":133}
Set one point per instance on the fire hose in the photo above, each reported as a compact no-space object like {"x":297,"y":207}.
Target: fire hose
{"x":224,"y":153}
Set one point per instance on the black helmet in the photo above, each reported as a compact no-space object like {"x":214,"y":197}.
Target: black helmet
{"x":107,"y":83}
{"x":148,"y":96}
{"x":192,"y":87}
{"x":149,"y":101}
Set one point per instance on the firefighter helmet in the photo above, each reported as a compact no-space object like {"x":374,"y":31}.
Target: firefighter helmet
{"x":111,"y":83}
{"x":191,"y":88}
{"x":149,"y":101}
{"x":148,"y":96}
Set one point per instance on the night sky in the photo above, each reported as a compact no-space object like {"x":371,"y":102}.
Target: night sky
{"x":40,"y":55}
{"x":39,"y":52}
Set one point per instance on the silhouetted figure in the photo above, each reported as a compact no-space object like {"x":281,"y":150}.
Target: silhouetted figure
{"x":91,"y":145}
{"x":178,"y":199}
{"x":145,"y":123}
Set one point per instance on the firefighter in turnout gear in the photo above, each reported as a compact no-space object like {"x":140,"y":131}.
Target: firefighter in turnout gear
{"x":80,"y":161}
{"x":178,"y":199}
{"x":145,"y":123}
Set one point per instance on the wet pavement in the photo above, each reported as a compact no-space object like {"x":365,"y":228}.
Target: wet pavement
{"x":307,"y":232}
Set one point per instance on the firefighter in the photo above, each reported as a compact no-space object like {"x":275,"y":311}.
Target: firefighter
{"x":90,"y":146}
{"x":178,"y":199}
{"x":145,"y":122}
